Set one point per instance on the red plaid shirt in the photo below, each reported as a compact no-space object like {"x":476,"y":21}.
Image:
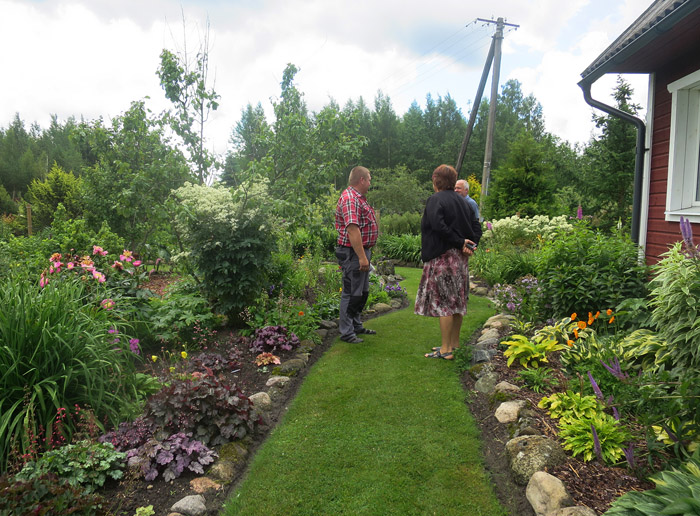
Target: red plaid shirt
{"x":353,"y":208}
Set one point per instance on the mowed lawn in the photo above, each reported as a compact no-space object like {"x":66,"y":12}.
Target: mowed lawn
{"x":376,"y":429}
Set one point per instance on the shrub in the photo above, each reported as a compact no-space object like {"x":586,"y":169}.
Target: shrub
{"x":84,"y":464}
{"x":46,"y":495}
{"x":211,"y":410}
{"x":227,"y":240}
{"x":677,"y":492}
{"x":403,"y":224}
{"x":522,"y":232}
{"x":170,"y":457}
{"x":57,"y":352}
{"x":583,"y":270}
{"x":271,"y":339}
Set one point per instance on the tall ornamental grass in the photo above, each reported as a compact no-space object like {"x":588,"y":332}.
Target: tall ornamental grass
{"x":58,"y":349}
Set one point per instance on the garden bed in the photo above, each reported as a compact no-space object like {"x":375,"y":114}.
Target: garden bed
{"x":591,"y":484}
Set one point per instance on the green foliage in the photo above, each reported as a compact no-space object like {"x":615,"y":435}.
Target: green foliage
{"x":463,"y":357}
{"x":675,"y":300}
{"x":523,"y":299}
{"x":584,"y":270}
{"x":145,"y":511}
{"x":7,"y":205}
{"x":677,"y":492}
{"x":46,"y":495}
{"x":571,"y":406}
{"x":400,"y":224}
{"x":84,"y":464}
{"x":577,"y":435}
{"x":401,"y":247}
{"x":57,"y":352}
{"x":135,"y":171}
{"x":522,"y":185}
{"x":185,"y":85}
{"x":396,"y":191}
{"x":59,"y":187}
{"x":175,"y":315}
{"x":539,"y":379}
{"x":530,"y":352}
{"x":607,"y":178}
{"x":228,"y":239}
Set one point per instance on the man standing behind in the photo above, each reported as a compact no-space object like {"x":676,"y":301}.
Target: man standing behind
{"x":462,"y":188}
{"x":357,"y":234}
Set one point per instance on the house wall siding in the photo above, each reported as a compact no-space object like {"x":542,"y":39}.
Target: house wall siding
{"x":661,"y":234}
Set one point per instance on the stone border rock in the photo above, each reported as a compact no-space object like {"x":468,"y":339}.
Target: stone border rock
{"x":528,"y":452}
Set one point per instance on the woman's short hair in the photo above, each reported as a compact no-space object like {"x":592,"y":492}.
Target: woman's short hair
{"x":445,"y":177}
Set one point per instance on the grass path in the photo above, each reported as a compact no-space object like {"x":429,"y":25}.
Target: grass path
{"x":376,"y":429}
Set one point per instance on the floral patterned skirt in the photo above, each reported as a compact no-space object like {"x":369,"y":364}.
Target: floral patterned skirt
{"x":444,"y":286}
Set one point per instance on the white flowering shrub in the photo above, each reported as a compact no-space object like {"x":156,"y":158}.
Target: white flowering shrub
{"x":227,"y":238}
{"x":523,"y":231}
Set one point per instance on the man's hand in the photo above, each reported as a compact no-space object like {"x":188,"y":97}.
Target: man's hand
{"x":364,"y":263}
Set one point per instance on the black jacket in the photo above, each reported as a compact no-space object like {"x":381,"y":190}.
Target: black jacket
{"x":447,"y":221}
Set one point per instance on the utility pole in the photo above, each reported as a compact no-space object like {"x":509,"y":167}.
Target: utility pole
{"x":495,"y":57}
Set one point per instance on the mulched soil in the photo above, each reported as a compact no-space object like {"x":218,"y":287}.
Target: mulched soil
{"x":590,"y":484}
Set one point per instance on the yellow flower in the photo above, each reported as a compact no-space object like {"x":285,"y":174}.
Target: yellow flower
{"x":172,"y":369}
{"x":183,"y":354}
{"x":154,"y":358}
{"x":581,"y":325}
{"x":573,"y":316}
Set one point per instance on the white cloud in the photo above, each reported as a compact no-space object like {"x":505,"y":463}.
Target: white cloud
{"x":73,"y":57}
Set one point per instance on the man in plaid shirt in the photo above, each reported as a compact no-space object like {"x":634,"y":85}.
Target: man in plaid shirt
{"x":357,"y":234}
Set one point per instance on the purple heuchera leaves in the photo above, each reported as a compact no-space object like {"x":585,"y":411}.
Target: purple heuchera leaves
{"x":273,"y":338}
{"x":170,"y":457}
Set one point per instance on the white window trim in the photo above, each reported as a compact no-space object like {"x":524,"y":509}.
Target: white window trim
{"x":683,"y":149}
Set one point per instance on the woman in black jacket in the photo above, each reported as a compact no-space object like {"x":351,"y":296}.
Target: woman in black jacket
{"x":450,"y":232}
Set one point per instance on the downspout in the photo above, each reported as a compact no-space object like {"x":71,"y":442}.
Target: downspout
{"x":639,"y":154}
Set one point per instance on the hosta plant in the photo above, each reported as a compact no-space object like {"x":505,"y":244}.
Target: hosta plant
{"x":570,"y":406}
{"x":677,"y":493}
{"x":530,"y":352}
{"x":602,"y":436}
{"x":170,"y":457}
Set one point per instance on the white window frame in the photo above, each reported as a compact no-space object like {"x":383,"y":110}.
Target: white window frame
{"x":684,"y":149}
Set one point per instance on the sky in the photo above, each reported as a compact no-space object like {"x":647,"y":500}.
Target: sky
{"x":92,"y":58}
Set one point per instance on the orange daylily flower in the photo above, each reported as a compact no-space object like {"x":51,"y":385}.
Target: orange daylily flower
{"x":597,"y":314}
{"x":612,"y":319}
{"x":581,"y":325}
{"x":576,"y":332}
{"x":573,"y":316}
{"x":608,"y":311}
{"x":301,"y":313}
{"x":570,"y":342}
{"x":590,"y":318}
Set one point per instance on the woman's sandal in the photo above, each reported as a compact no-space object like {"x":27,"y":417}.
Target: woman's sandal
{"x":436,"y":353}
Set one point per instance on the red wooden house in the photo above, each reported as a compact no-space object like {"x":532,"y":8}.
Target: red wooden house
{"x":663,"y":42}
